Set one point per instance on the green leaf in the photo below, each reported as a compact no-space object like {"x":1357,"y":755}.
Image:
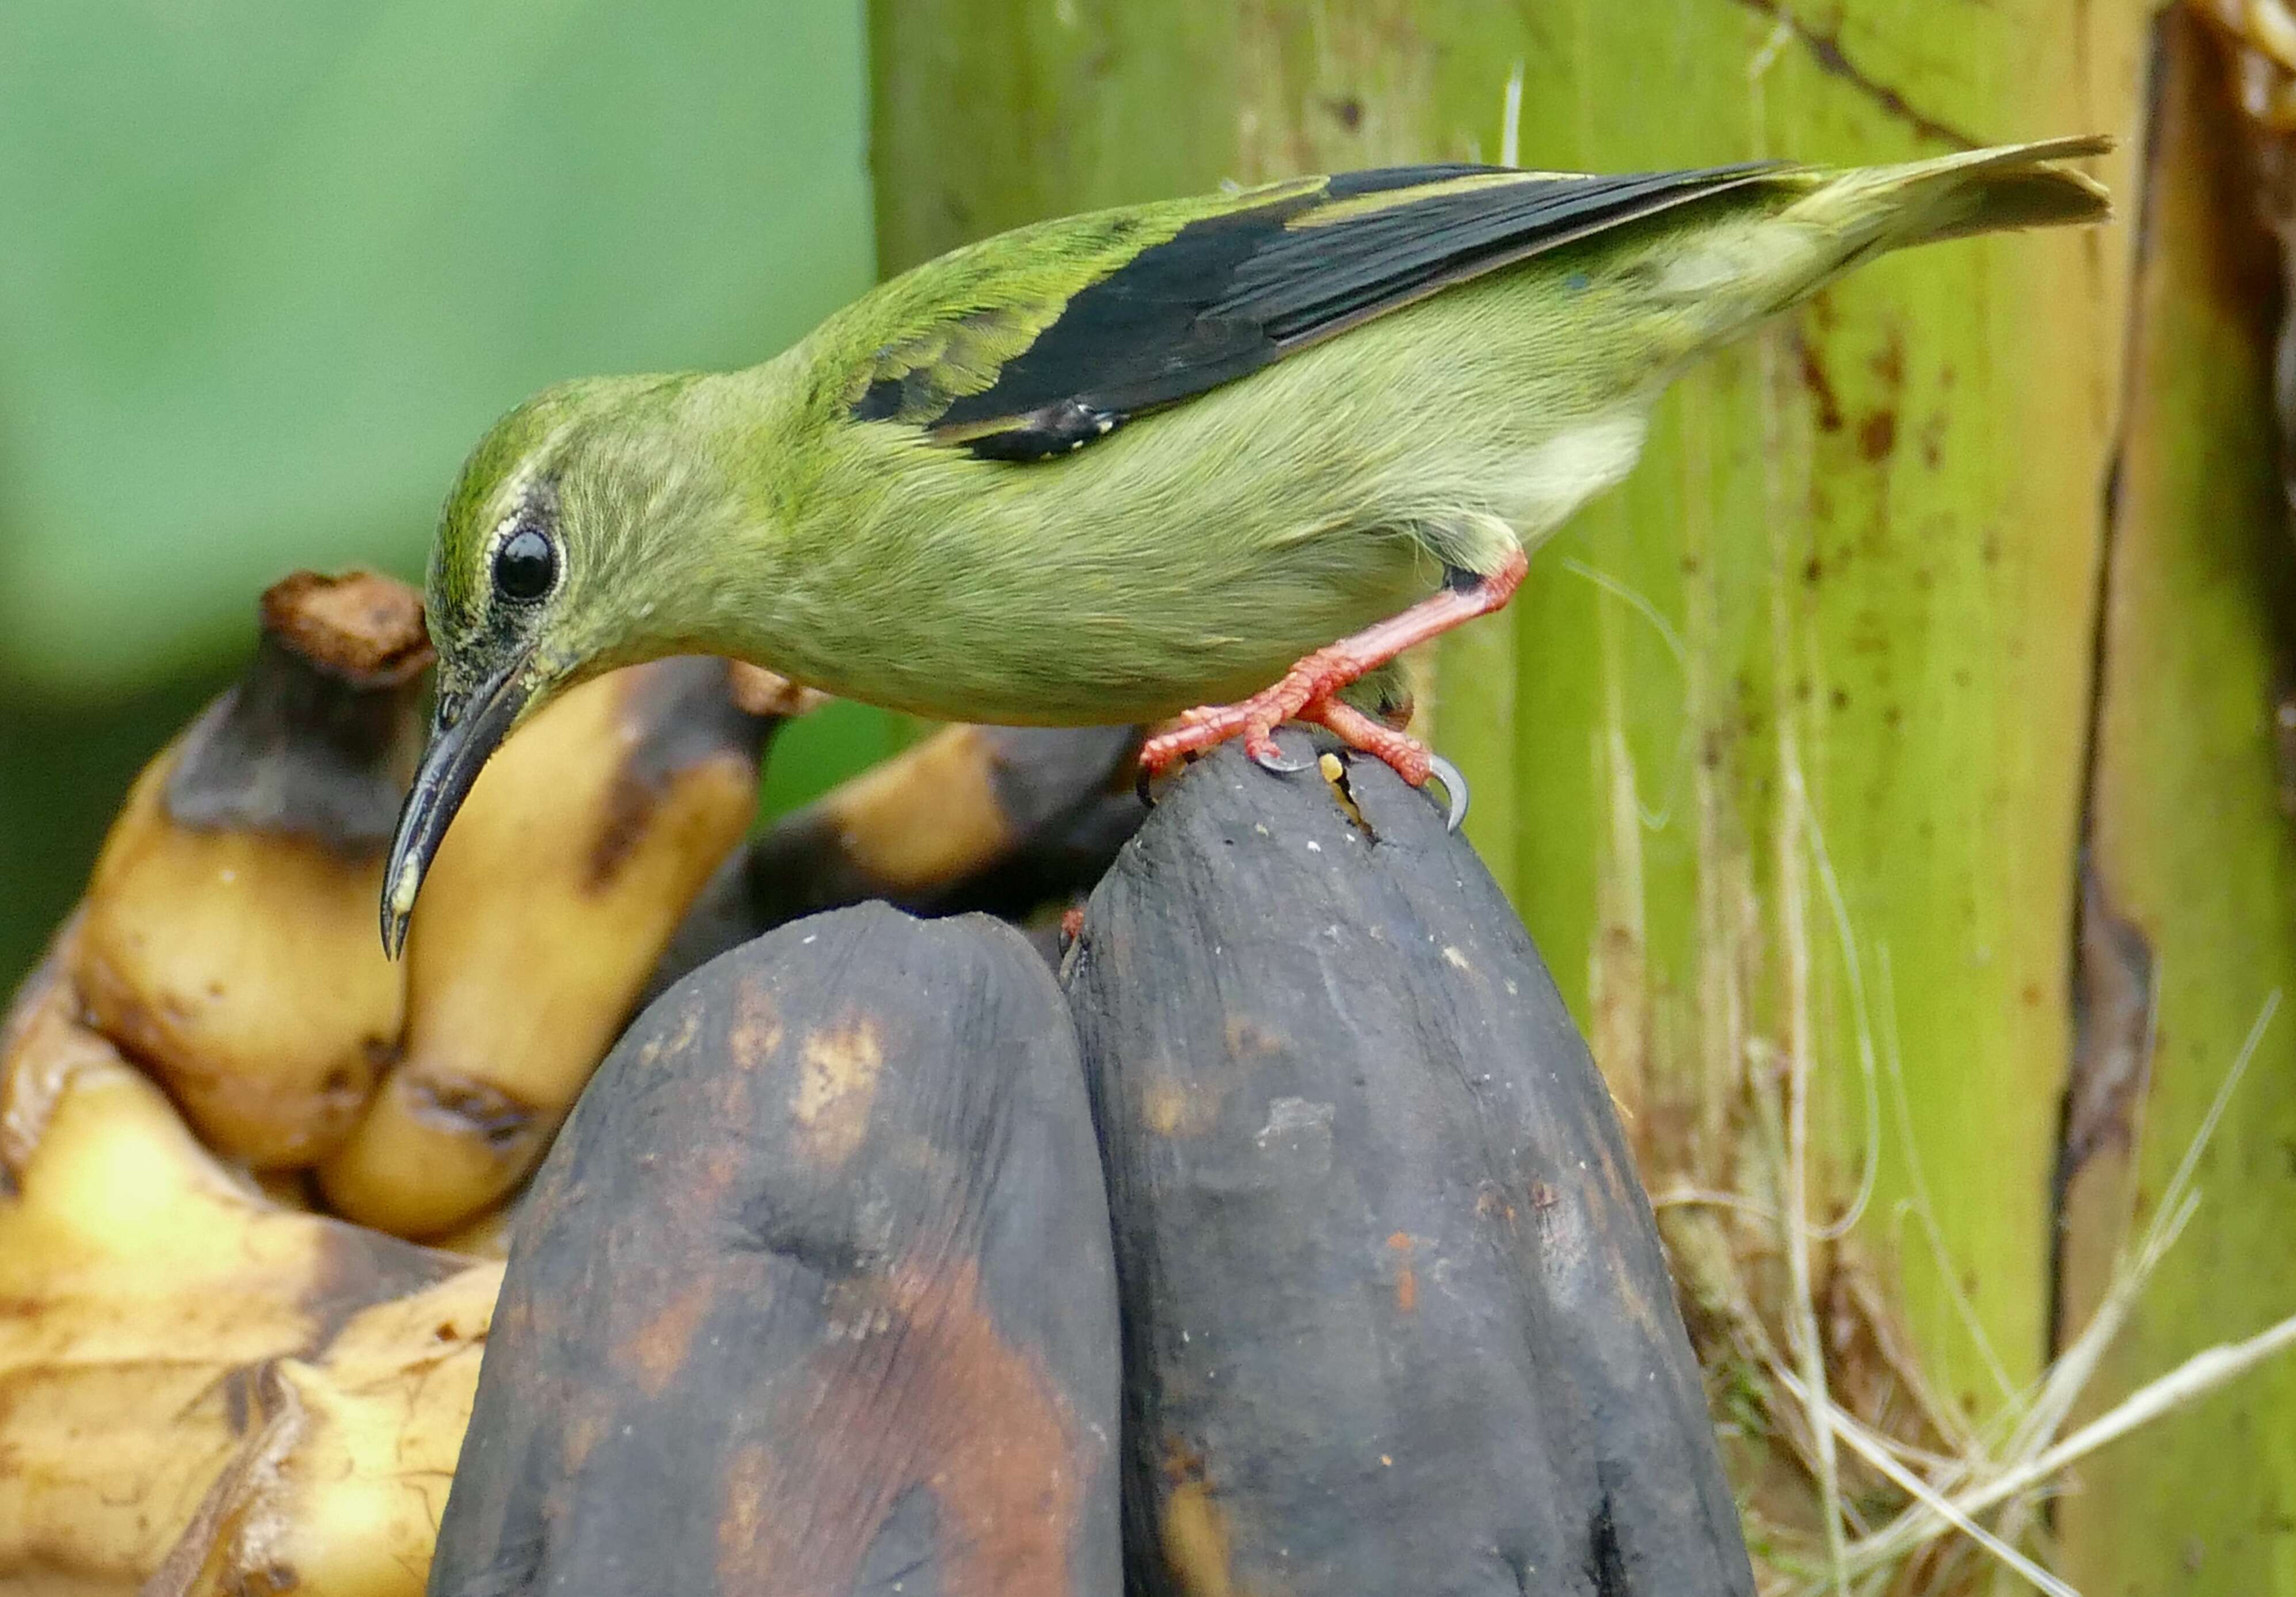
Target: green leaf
{"x":270,"y":268}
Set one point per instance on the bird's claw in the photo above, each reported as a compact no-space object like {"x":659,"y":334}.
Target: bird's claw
{"x":1454,"y":789}
{"x":1268,"y":755}
{"x":1206,"y":728}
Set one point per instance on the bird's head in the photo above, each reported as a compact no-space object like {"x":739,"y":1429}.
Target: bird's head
{"x":544,"y":572}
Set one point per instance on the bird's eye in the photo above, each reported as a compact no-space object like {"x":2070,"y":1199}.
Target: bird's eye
{"x":526,"y":565}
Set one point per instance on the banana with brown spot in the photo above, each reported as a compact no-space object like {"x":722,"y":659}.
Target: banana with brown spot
{"x":576,"y":856}
{"x":228,"y":938}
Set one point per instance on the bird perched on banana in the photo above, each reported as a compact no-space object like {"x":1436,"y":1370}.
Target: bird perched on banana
{"x":1220,"y":457}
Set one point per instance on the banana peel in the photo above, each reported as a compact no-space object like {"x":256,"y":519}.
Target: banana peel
{"x":568,"y":868}
{"x":177,"y":1351}
{"x":228,"y":942}
{"x":339,"y":1483}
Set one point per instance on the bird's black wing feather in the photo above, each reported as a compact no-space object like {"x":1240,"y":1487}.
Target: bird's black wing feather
{"x":1231,"y":293}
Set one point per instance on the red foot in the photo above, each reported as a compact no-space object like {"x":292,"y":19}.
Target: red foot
{"x":1254,"y":720}
{"x":1305,"y":693}
{"x":1406,"y":755}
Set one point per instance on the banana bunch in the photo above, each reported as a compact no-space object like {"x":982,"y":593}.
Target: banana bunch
{"x":206,"y":1386}
{"x":228,"y":942}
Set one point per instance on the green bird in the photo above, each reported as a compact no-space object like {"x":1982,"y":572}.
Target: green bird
{"x":1235,"y":451}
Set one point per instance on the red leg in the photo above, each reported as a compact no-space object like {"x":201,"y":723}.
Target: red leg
{"x":1306,"y":691}
{"x":1405,"y":753}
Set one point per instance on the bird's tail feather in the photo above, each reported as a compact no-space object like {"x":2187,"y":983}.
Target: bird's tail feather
{"x":1955,"y":196}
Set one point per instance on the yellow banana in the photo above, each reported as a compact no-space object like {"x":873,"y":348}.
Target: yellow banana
{"x":941,"y":816}
{"x":570,"y":865}
{"x":229,"y":938}
{"x":1002,"y":819}
{"x":486,"y":1236}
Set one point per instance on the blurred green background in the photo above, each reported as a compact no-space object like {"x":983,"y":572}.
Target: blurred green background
{"x":268,"y":268}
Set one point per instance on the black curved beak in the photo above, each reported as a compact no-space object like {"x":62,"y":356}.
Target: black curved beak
{"x":462,"y":738}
